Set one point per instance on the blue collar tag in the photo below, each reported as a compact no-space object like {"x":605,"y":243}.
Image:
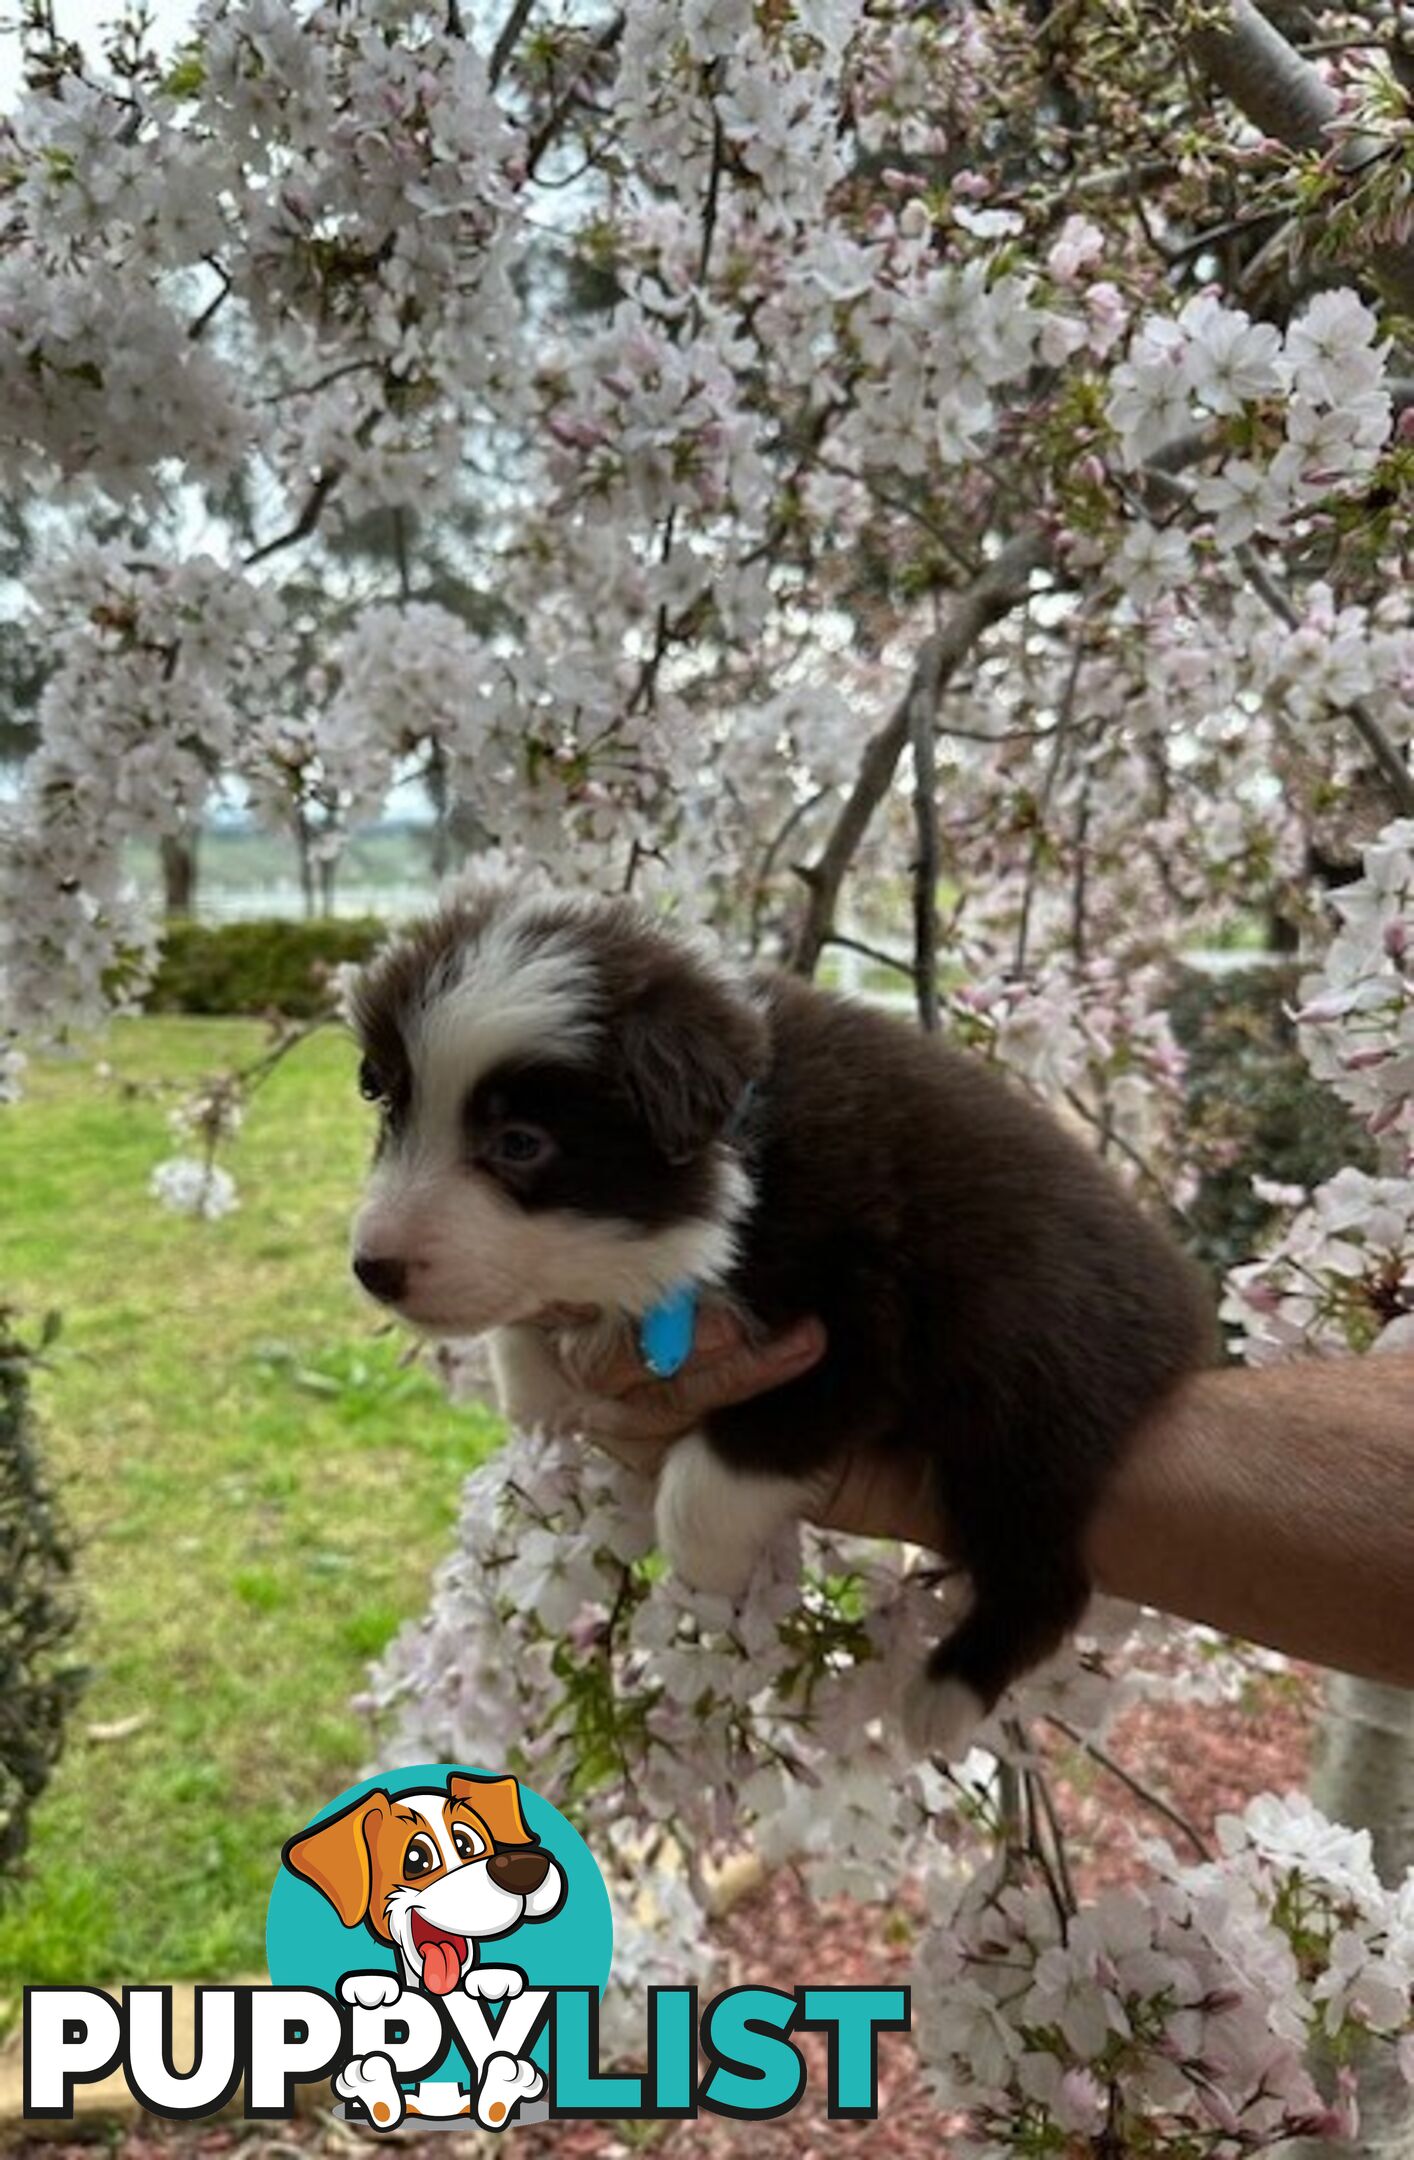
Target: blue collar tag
{"x":666,"y":1330}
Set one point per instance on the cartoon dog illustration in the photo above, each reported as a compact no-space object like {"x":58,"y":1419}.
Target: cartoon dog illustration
{"x":433,"y":1873}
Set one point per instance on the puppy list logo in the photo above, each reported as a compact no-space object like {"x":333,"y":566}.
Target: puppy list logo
{"x":442,"y":1907}
{"x":438,"y":1939}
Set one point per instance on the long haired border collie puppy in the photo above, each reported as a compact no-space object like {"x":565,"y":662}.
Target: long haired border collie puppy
{"x":581,"y":1109}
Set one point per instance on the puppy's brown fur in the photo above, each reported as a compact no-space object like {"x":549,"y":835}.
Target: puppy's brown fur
{"x":995,"y":1302}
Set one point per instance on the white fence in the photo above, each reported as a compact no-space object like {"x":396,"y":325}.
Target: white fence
{"x":283,"y":899}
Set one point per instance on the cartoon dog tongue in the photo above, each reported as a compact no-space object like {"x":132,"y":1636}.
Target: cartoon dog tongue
{"x":442,"y":1962}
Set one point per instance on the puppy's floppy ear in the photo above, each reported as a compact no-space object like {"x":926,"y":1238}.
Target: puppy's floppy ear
{"x":497,"y":1801}
{"x":337,"y":1856}
{"x":689,"y":1047}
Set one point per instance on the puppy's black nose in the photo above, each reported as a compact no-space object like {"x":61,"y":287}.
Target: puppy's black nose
{"x":381,"y":1278}
{"x":518,"y":1872}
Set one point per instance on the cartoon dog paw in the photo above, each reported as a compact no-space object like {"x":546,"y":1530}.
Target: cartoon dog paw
{"x":505,"y":2082}
{"x":371,"y":1991}
{"x":495,"y":1983}
{"x":370,"y":2081}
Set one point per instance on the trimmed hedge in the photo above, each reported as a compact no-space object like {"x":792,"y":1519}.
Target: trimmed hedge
{"x":1253,"y":1108}
{"x":38,"y":1679}
{"x":257,"y":967}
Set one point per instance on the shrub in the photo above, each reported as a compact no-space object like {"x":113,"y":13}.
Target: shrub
{"x":37,"y":1681}
{"x":257,"y":967}
{"x":1254,"y":1110}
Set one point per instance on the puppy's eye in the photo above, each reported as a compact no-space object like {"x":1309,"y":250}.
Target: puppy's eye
{"x":468,"y":1844}
{"x":370,"y":1082}
{"x":419,"y":1859}
{"x":521,"y":1146}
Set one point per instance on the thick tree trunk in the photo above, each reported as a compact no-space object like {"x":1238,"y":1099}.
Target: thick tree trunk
{"x":439,"y":793}
{"x":1365,"y":1778}
{"x":1365,"y":1773}
{"x":305,"y":854}
{"x":179,"y":869}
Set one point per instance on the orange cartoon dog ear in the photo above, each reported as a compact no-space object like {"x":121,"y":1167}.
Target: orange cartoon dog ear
{"x":336,"y":1856}
{"x":497,"y":1801}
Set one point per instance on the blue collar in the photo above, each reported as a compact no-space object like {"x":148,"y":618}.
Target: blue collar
{"x":666,"y":1330}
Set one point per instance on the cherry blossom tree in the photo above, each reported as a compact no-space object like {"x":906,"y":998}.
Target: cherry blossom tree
{"x":930,"y":466}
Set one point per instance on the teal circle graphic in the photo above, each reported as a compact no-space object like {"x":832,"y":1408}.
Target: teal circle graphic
{"x":307,"y":1945}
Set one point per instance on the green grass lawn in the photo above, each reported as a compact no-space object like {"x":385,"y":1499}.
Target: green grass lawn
{"x":261,"y":1492}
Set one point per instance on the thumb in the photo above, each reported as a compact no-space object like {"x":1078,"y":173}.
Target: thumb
{"x":665,"y":1409}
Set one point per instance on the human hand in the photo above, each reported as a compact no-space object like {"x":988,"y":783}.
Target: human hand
{"x":637,"y":1419}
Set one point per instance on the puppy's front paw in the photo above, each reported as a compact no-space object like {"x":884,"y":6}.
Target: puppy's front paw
{"x":505,"y":2082}
{"x":940,"y":1717}
{"x":704,"y":1529}
{"x":494,"y":1983}
{"x":370,"y":2080}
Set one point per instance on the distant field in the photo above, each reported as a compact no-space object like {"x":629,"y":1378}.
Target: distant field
{"x":243,"y":859}
{"x":385,"y":870}
{"x":261,"y":1491}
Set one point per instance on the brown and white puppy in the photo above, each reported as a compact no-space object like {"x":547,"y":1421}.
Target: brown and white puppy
{"x":582,"y":1109}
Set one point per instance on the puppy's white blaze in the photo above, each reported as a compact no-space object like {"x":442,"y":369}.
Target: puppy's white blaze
{"x":514,"y":991}
{"x":714,"y":1522}
{"x":940,"y":1717}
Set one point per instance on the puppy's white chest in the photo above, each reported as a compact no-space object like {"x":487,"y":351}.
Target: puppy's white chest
{"x":538,"y":1375}
{"x":532,"y":1391}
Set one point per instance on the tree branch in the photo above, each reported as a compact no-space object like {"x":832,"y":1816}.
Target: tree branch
{"x":1001,"y":587}
{"x":505,"y":44}
{"x":762,"y":883}
{"x":307,"y":520}
{"x":200,"y":324}
{"x":875,"y":953}
{"x":559,"y":112}
{"x":1059,"y":745}
{"x":1288,"y":98}
{"x":923,"y":714}
{"x":1141,"y":1791}
{"x":1393,"y":764}
{"x":1252,"y":63}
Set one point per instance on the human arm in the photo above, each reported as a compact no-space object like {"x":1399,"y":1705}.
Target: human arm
{"x":1274,"y":1504}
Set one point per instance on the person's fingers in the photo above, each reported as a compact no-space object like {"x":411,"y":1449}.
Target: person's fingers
{"x":645,"y":1456}
{"x":665,"y":1409}
{"x":884,"y":1495}
{"x":620,"y":1367}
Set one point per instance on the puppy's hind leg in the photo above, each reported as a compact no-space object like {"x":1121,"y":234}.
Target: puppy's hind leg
{"x":1019,"y":1616}
{"x":715,"y":1521}
{"x":1016,"y":1501}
